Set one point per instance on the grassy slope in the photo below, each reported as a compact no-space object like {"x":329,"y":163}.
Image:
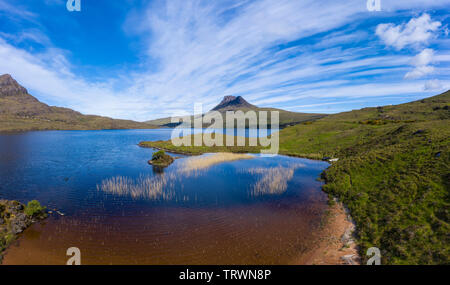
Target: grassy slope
{"x":19,"y":111}
{"x":26,"y":113}
{"x":393,"y":174}
{"x":286,"y":117}
{"x":61,"y":122}
{"x":389,"y":174}
{"x":197,"y":150}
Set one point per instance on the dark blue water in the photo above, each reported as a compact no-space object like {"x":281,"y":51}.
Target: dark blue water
{"x":77,"y":172}
{"x":61,"y":168}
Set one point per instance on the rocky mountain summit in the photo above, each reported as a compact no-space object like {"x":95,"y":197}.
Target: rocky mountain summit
{"x":233,"y":103}
{"x":10,"y":87}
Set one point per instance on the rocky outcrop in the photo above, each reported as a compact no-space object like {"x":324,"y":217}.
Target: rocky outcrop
{"x":350,"y":259}
{"x":19,"y":223}
{"x":10,"y":87}
{"x":15,"y":217}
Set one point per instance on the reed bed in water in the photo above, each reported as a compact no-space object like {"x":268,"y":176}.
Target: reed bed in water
{"x":148,"y":187}
{"x":196,"y":163}
{"x":273,"y":180}
{"x":270,"y":181}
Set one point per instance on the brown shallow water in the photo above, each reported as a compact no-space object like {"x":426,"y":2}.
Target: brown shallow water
{"x":120,"y":210}
{"x":264,"y":233}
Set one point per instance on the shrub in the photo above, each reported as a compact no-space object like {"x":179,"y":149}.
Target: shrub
{"x":34,"y":208}
{"x":331,"y":201}
{"x":158,"y":155}
{"x":2,"y":242}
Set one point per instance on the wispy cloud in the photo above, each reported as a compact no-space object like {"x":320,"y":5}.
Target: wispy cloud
{"x":433,"y":85}
{"x":14,"y":11}
{"x":275,"y":53}
{"x":421,"y":63}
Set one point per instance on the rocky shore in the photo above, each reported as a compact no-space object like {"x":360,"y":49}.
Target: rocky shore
{"x":15,"y":217}
{"x":335,"y":244}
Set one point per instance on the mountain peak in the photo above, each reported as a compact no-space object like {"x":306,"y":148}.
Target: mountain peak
{"x":5,"y":77}
{"x":232,"y":102}
{"x":10,"y":87}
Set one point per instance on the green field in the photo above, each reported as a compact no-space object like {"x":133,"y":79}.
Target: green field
{"x":393,"y":173}
{"x":59,"y":121}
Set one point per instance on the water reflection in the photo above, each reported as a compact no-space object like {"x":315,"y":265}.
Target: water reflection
{"x":158,"y":169}
{"x":145,"y":187}
{"x":168,"y":186}
{"x":194,"y":171}
{"x":272,"y":180}
{"x":193,"y":165}
{"x":119,"y":211}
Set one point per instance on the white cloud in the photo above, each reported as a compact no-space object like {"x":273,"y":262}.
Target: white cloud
{"x":33,"y":35}
{"x":203,"y":50}
{"x":423,"y":58}
{"x":433,"y":85}
{"x":419,"y":71}
{"x":416,"y":32}
{"x":15,"y":11}
{"x":422,"y":64}
{"x":50,"y":77}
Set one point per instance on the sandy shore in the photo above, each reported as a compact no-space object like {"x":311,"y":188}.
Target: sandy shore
{"x":335,"y":244}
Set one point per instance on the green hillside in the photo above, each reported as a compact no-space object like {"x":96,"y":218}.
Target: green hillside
{"x":19,"y":111}
{"x":393,"y":174}
{"x":231,"y":103}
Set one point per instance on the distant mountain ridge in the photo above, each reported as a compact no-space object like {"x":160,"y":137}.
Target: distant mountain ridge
{"x":19,"y":111}
{"x":233,"y":103}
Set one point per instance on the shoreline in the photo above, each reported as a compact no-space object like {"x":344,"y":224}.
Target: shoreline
{"x":15,"y":218}
{"x":336,"y":244}
{"x":171,"y":151}
{"x":142,"y":144}
{"x":19,"y":131}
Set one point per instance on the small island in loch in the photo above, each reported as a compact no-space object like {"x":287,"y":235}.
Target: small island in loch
{"x":161,"y":159}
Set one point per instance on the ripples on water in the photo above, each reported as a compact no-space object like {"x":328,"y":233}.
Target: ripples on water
{"x":210,"y":209}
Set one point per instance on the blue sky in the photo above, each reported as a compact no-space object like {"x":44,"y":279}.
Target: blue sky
{"x":140,"y":60}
